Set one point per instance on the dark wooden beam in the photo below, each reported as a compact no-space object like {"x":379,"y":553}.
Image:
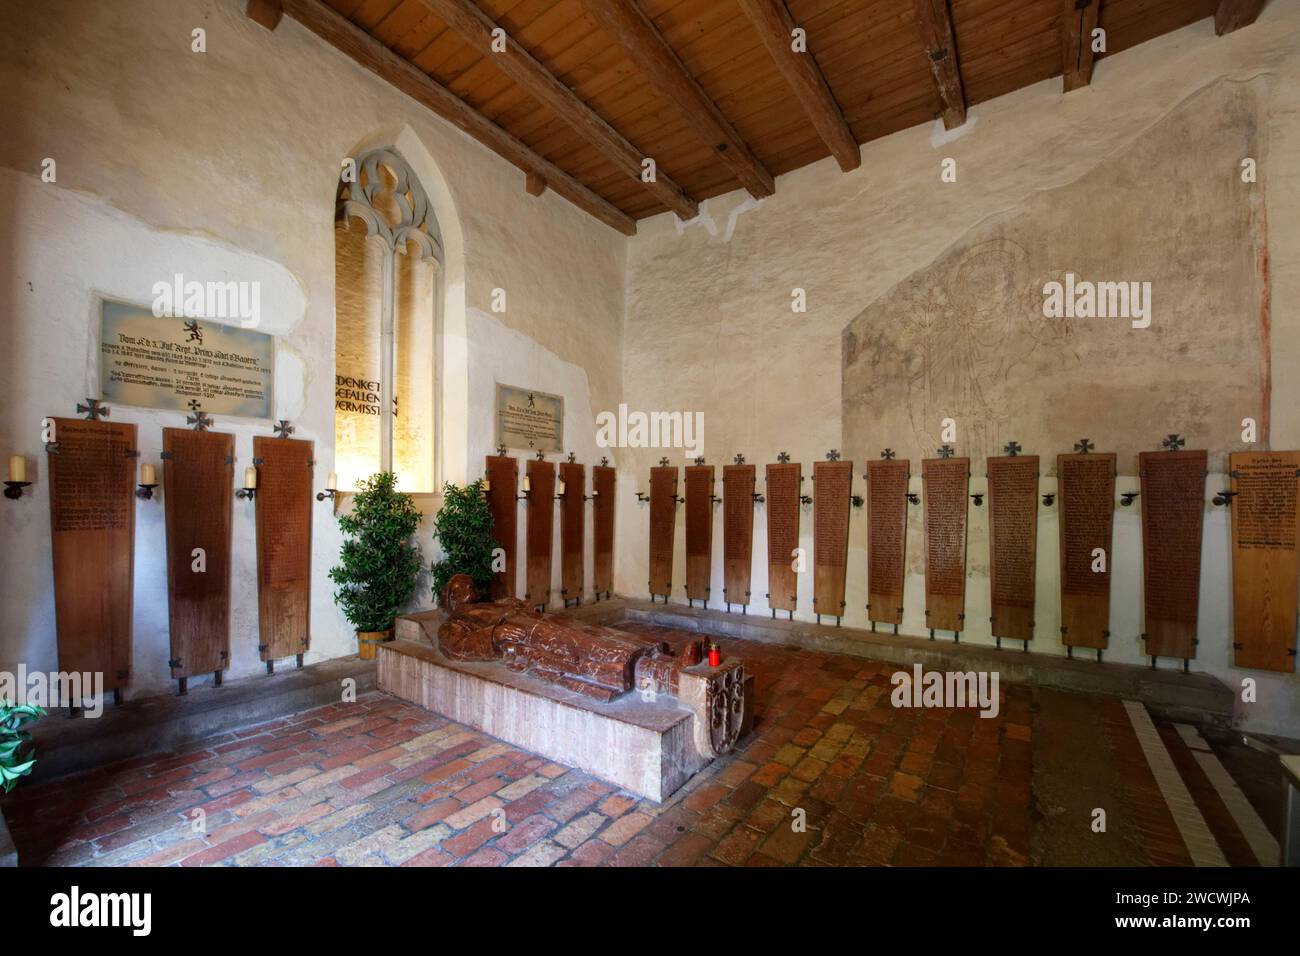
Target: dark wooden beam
{"x":360,"y":46}
{"x":650,"y":52}
{"x":934,"y":20}
{"x":265,"y":12}
{"x":516,"y":62}
{"x":1235,"y":14}
{"x":1078,"y":20}
{"x":775,"y":25}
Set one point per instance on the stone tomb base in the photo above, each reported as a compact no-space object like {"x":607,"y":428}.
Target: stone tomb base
{"x":645,"y":747}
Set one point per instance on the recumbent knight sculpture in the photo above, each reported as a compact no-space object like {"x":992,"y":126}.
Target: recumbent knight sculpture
{"x":598,"y":662}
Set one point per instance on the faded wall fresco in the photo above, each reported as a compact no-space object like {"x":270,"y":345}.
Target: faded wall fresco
{"x":966,"y":337}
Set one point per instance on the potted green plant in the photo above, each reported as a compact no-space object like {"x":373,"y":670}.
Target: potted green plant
{"x":463,"y":528}
{"x":12,"y":740}
{"x":379,"y":567}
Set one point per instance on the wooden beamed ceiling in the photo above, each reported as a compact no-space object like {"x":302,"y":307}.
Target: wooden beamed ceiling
{"x":720,"y":94}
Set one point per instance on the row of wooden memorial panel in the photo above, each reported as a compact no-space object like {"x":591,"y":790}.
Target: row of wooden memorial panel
{"x":502,"y":473}
{"x":92,"y":469}
{"x":1266,"y":550}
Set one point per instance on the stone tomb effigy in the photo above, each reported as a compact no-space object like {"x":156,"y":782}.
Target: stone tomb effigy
{"x":618,"y":705}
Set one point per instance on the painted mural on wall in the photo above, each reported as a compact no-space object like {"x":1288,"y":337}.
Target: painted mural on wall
{"x":1122,"y":306}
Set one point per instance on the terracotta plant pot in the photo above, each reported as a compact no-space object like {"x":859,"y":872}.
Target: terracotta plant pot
{"x":368,"y":643}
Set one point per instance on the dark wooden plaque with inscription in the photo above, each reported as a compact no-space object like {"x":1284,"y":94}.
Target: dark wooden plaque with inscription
{"x":663,"y":526}
{"x":573,"y":530}
{"x":198,"y":478}
{"x":1265,"y":558}
{"x":699,"y":531}
{"x":886,"y":538}
{"x":602,"y":529}
{"x":738,"y":482}
{"x":1173,"y":512}
{"x":503,"y":475}
{"x":1013,"y":544}
{"x":946,"y":482}
{"x":782,"y":493}
{"x":834,"y":485}
{"x":540,"y":527}
{"x":92,"y":527}
{"x":1086,"y":487}
{"x":284,"y":512}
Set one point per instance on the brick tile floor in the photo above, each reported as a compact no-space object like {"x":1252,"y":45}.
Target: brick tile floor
{"x":833,"y":775}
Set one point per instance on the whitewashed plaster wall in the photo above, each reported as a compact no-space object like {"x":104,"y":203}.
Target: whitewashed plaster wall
{"x":223,"y":165}
{"x":709,"y":325}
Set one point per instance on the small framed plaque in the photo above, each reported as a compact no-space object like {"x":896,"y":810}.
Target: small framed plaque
{"x":529,"y":419}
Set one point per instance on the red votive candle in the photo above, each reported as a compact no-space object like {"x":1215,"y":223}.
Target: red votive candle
{"x":715,"y":655}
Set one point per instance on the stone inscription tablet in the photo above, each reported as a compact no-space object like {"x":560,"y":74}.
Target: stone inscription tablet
{"x":1173,"y":511}
{"x":503,"y":474}
{"x":602,"y":520}
{"x":198,"y":482}
{"x":92,"y":524}
{"x":540,"y":528}
{"x":738,"y":482}
{"x":886,"y":538}
{"x":573,"y":530}
{"x":169,"y":362}
{"x":284,"y":513}
{"x":782,"y":493}
{"x":663,"y":524}
{"x":1265,"y":558}
{"x":833,"y":484}
{"x":1086,"y":487}
{"x":527,"y":418}
{"x":699,"y":531}
{"x":1013,"y":544}
{"x":946,"y":482}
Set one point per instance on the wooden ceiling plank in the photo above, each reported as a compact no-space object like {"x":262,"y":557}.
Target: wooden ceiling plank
{"x":776,"y":28}
{"x":369,"y":53}
{"x":934,"y":20}
{"x":625,"y":22}
{"x":1078,"y":20}
{"x":1234,"y":14}
{"x":266,"y":13}
{"x":517,"y":63}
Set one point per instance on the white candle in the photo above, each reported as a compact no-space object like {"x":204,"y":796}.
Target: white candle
{"x":17,"y":468}
{"x":147,"y":475}
{"x":528,"y":485}
{"x":332,"y":483}
{"x":487,"y":484}
{"x":250,"y":477}
{"x":560,"y":486}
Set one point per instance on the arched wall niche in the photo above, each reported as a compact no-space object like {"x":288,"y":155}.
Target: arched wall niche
{"x":448,"y":316}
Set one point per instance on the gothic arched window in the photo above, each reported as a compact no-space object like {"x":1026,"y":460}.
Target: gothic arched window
{"x":388,"y":262}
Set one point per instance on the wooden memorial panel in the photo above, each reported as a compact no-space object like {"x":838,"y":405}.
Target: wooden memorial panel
{"x":663,"y":526}
{"x":573,"y":530}
{"x":886,"y":538}
{"x":503,"y":475}
{"x":699,"y":531}
{"x":782,"y":494}
{"x":1265,"y":558}
{"x":834,"y":485}
{"x":284,"y":516}
{"x":198,"y":475}
{"x":946,"y":482}
{"x":1013,"y":544}
{"x":92,"y":530}
{"x":602,"y":520}
{"x":738,"y":482}
{"x":1086,"y":489}
{"x":1173,"y":512}
{"x":540,"y":527}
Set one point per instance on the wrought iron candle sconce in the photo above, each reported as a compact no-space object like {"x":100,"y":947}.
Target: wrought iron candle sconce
{"x":1126,"y":497}
{"x":14,"y":489}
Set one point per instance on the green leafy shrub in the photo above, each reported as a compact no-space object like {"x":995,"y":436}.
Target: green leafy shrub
{"x":379,"y":568}
{"x":463,"y":527}
{"x":12,"y":739}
